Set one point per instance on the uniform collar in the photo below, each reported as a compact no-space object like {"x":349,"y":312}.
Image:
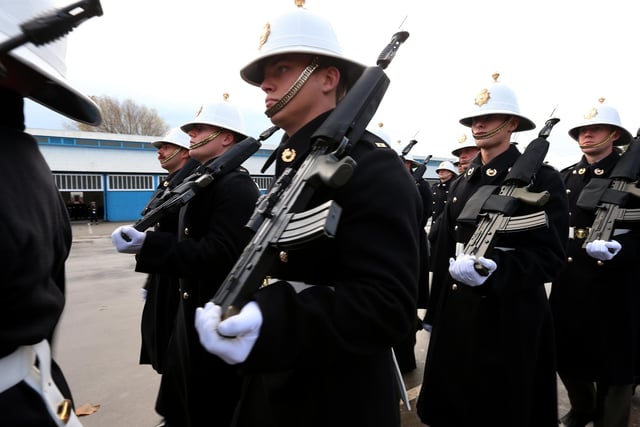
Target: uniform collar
{"x":293,"y":149}
{"x":495,"y":170}
{"x":601,"y":168}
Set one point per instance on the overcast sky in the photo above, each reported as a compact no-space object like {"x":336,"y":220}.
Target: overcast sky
{"x":175,"y":55}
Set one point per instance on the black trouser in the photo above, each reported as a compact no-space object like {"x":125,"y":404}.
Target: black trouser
{"x":607,"y":405}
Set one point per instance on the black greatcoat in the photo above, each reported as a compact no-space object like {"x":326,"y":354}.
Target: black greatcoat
{"x":35,"y":243}
{"x":161,"y":303}
{"x":491,"y":357}
{"x":596,"y":307}
{"x":323,"y":354}
{"x":198,"y":388}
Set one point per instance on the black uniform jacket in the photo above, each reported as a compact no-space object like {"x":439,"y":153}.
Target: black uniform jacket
{"x":198,"y":387}
{"x":491,"y":356}
{"x":323,"y":354}
{"x":161,"y":303}
{"x":35,"y":243}
{"x":596,"y":305}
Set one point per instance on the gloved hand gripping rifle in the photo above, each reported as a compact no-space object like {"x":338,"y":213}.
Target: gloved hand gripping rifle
{"x":609,"y":196}
{"x":492,"y":213}
{"x":280,"y":220}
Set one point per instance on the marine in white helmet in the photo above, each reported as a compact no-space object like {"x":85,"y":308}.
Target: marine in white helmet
{"x":208,"y":239}
{"x":596,"y":365}
{"x":34,"y":222}
{"x":466,"y":149}
{"x":334,"y":308}
{"x":492,"y":327}
{"x":173,"y":149}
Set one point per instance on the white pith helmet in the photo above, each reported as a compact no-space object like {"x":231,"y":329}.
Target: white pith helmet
{"x":221,"y":114}
{"x":380,"y":133}
{"x":446,"y":165}
{"x":498,"y":99}
{"x":602,"y":114}
{"x":175,"y":136}
{"x":48,"y":61}
{"x":299,"y":31}
{"x":466,"y":140}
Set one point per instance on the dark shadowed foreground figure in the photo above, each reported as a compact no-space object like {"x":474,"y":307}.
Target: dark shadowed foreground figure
{"x":34,"y":225}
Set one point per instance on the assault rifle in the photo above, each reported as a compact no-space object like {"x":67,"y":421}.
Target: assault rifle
{"x":44,"y":29}
{"x":492,"y":213}
{"x":280,"y":221}
{"x":609,"y":196}
{"x":174,"y":199}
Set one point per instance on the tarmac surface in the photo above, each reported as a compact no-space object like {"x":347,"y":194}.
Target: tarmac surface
{"x":98,"y":339}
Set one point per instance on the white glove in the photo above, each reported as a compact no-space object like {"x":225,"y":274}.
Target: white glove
{"x":132,"y":243}
{"x":232,"y":339}
{"x":603,"y":250}
{"x":463,"y":269}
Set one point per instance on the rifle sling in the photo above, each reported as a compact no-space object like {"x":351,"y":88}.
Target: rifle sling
{"x":597,"y":191}
{"x":484,"y":200}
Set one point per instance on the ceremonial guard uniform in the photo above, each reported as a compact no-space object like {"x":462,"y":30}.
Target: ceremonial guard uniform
{"x":196,"y":386}
{"x":491,"y":356}
{"x":439,"y":197}
{"x":35,"y":229}
{"x":161,"y":290}
{"x":595,"y":302}
{"x":315,"y":344}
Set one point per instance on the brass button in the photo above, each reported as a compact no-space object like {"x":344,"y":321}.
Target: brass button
{"x":600,"y":263}
{"x":284,"y":256}
{"x":454,"y":287}
{"x":185,"y":295}
{"x":570,"y":259}
{"x":186,"y":231}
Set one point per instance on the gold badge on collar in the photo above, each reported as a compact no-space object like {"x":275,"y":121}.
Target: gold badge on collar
{"x":288,"y":155}
{"x":470,"y":171}
{"x":491,"y":172}
{"x":264,"y":36}
{"x":598,"y":171}
{"x":581,"y":171}
{"x":165,"y":184}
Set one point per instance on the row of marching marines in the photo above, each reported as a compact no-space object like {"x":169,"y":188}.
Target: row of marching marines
{"x":300,"y":306}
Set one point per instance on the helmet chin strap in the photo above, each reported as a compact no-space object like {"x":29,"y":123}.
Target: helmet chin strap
{"x":604,"y":141}
{"x":207,"y":140}
{"x":493,"y":132}
{"x":302,"y":79}
{"x":175,"y":153}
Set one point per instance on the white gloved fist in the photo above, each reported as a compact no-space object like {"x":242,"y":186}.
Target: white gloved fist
{"x":603,"y":250}
{"x":232,"y":339}
{"x":132,"y":243}
{"x":462,"y":269}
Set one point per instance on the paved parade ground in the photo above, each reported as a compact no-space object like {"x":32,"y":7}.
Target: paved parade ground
{"x":98,"y":340}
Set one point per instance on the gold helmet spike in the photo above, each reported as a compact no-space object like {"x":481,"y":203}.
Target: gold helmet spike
{"x":225,"y":96}
{"x":495,"y":77}
{"x":299,"y":3}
